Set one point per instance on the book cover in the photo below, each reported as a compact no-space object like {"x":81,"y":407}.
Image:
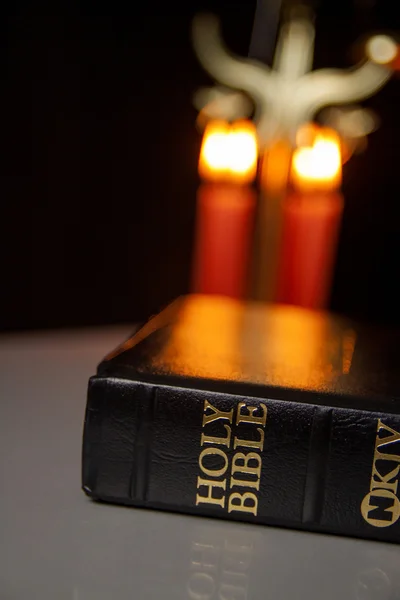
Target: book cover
{"x":240,"y":410}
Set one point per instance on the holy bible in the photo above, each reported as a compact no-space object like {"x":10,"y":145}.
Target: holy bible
{"x":262,"y":413}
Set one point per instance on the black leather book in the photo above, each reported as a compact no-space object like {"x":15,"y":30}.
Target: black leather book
{"x":239,"y":410}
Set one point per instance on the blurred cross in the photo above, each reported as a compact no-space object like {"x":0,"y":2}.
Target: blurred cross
{"x":287,"y":95}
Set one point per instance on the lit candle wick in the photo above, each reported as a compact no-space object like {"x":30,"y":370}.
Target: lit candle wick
{"x":312,"y":217}
{"x":318,"y":166}
{"x":229,"y":152}
{"x":225,"y":208}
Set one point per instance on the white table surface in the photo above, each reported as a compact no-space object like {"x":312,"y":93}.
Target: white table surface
{"x":57,"y":544}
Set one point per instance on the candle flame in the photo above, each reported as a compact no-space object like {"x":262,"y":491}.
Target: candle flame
{"x":229,"y":152}
{"x":319,"y":165}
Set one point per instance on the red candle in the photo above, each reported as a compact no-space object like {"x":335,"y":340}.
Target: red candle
{"x":312,"y":217}
{"x":225,"y":215}
{"x":225,"y":209}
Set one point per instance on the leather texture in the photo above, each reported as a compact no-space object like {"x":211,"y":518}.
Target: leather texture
{"x":325,"y":383}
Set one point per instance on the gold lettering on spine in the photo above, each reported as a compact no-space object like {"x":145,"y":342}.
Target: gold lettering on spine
{"x":371,"y":503}
{"x":389,"y":439}
{"x":244,"y":460}
{"x":215,"y":414}
{"x":245,"y":467}
{"x":392,"y":457}
{"x":240,"y":502}
{"x":381,"y":506}
{"x":259,"y":445}
{"x":255,"y":485}
{"x":251,"y":417}
{"x":207,"y":439}
{"x":213,"y":472}
{"x":384,"y":480}
{"x":210,"y":499}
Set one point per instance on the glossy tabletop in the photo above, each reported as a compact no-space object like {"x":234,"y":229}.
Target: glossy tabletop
{"x":57,"y":544}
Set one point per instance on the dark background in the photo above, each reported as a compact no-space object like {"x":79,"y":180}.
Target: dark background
{"x":98,"y":175}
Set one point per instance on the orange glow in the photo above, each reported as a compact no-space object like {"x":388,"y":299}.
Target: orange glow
{"x":318,"y":166}
{"x":306,"y":134}
{"x":229,"y":152}
{"x":396,"y":61}
{"x":275,"y":167}
{"x":213,"y":158}
{"x":348,"y":344}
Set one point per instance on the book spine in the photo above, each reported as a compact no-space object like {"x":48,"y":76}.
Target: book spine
{"x":261,"y":460}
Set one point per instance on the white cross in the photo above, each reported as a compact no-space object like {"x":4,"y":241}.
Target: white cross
{"x":289,"y":94}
